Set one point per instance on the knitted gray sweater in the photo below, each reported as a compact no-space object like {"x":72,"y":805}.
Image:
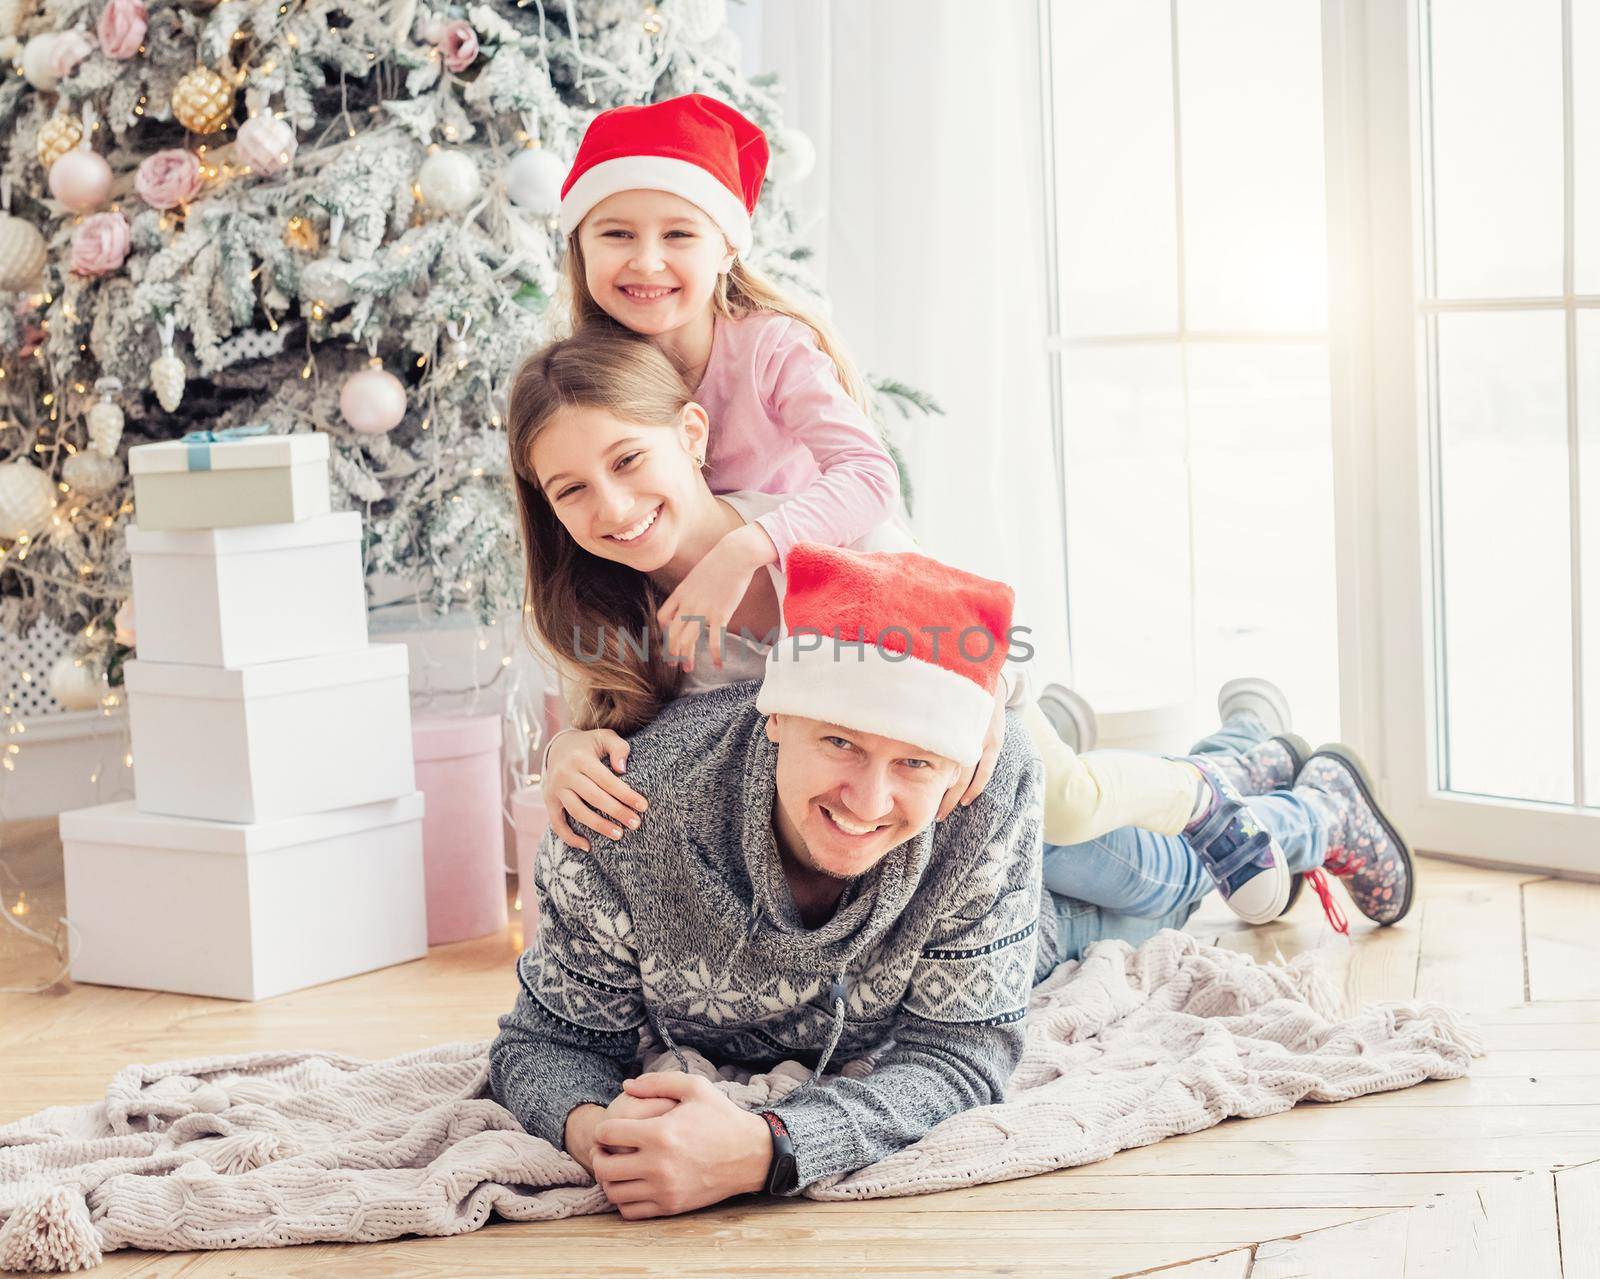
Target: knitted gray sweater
{"x":686,"y":928}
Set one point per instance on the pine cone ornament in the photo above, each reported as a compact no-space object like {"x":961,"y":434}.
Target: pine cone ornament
{"x":57,"y":136}
{"x":105,"y":418}
{"x":202,"y":101}
{"x":22,"y":254}
{"x":168,"y":378}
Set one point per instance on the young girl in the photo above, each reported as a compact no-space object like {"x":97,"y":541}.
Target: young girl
{"x":607,"y":450}
{"x":657,"y":210}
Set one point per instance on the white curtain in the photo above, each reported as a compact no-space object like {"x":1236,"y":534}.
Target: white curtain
{"x":928,"y":207}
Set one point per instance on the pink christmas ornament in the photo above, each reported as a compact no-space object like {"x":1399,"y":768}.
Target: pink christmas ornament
{"x":169,"y":178}
{"x":266,"y":143}
{"x":372,"y":400}
{"x":67,"y":50}
{"x":459,"y":44}
{"x":121,"y":28}
{"x":100,"y":245}
{"x":81,"y":179}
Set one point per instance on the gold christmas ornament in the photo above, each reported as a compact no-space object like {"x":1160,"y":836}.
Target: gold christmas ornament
{"x":202,"y":101}
{"x":57,"y":136}
{"x":301,"y":233}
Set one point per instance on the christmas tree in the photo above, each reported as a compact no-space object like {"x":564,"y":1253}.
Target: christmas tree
{"x":306,"y":214}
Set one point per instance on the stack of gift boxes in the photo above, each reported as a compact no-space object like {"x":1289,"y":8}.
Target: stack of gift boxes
{"x":275,"y":837}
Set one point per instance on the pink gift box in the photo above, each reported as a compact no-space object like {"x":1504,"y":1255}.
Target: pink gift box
{"x":531,"y":820}
{"x":463,"y":847}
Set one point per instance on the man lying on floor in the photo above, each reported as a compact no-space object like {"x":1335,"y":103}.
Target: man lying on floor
{"x":791,"y":897}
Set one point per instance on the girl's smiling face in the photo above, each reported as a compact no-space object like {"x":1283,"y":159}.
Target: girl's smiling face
{"x":623,"y":491}
{"x":651,"y":259}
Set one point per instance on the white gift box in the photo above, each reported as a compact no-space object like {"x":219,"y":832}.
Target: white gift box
{"x":224,"y":483}
{"x":243,"y":912}
{"x":273,"y":741}
{"x":216,"y":597}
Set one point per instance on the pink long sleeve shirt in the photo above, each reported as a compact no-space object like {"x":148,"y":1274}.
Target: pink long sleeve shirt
{"x":781,"y":423}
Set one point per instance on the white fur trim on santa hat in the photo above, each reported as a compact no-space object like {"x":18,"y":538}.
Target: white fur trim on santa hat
{"x":861,"y":686}
{"x":659,"y":173}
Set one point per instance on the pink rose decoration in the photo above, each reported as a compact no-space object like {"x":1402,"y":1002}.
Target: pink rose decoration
{"x":459,"y":43}
{"x":169,"y":178}
{"x":122,"y":27}
{"x":66,"y":51}
{"x":100,"y":245}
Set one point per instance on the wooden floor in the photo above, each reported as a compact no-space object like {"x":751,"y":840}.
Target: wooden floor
{"x":1480,"y":1176}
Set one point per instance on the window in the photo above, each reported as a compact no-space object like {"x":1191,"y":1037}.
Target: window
{"x":1510,"y":278}
{"x":1191,"y":347}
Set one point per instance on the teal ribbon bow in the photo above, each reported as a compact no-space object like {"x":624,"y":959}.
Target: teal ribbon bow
{"x":200,"y":442}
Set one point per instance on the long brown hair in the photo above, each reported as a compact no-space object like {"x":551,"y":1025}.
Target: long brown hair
{"x":741,"y":292}
{"x":578,"y":606}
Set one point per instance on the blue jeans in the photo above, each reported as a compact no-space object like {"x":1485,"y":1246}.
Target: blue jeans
{"x":1130,"y":883}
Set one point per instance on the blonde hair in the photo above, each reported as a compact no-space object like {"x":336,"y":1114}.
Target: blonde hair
{"x":578,"y":606}
{"x":742,"y":291}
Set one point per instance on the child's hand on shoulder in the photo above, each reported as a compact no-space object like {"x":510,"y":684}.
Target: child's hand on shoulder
{"x":714,"y":588}
{"x":580,"y":783}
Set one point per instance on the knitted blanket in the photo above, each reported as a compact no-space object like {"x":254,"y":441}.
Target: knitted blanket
{"x":269,"y":1149}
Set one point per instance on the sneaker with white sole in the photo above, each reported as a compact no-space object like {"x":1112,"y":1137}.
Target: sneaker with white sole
{"x":1241,"y":856}
{"x":1258,"y":697}
{"x":1070,"y":715}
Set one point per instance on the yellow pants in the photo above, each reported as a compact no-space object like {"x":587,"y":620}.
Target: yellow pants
{"x":1087,"y":795}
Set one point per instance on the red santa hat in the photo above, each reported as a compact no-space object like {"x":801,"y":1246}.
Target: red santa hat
{"x":693,"y":146}
{"x":894,"y":644}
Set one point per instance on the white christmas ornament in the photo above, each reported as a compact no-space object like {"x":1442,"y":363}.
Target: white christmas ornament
{"x":167,"y":377}
{"x":37,"y":54}
{"x":105,"y":418}
{"x":27,"y":501}
{"x":327,"y":280}
{"x":22,"y":254}
{"x":373,"y":400}
{"x":76,"y":683}
{"x":533,"y":181}
{"x":449,"y":181}
{"x":91,"y":474}
{"x":794,"y":155}
{"x":698,"y":20}
{"x":266,"y":143}
{"x":81,"y":179}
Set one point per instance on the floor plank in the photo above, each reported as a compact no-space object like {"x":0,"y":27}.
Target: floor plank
{"x":1563,"y":942}
{"x":1372,"y":1249}
{"x":1578,"y":1219}
{"x":1507,"y":1227}
{"x":1471,"y":945}
{"x":1230,"y":1265}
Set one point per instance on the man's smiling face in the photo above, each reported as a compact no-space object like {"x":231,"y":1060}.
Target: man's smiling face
{"x":846,"y":798}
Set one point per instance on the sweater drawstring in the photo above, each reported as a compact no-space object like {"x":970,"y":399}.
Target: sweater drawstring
{"x":838,"y":993}
{"x":672,"y":1047}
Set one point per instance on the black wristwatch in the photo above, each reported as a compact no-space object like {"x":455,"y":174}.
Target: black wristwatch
{"x":784,"y":1175}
